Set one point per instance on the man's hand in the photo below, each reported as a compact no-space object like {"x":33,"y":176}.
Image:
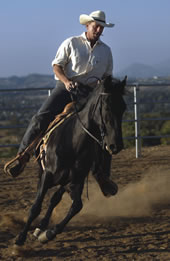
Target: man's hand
{"x":58,"y":70}
{"x":70,"y":85}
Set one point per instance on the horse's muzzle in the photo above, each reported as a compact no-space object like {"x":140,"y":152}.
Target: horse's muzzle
{"x":113,"y":149}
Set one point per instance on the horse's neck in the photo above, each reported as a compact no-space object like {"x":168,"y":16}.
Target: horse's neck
{"x":86,"y":115}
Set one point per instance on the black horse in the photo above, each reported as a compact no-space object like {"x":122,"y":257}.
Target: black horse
{"x":84,"y":142}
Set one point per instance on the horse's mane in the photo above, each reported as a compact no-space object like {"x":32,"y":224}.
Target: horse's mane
{"x":107,"y":85}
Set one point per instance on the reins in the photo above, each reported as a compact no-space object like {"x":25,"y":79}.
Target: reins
{"x":100,"y":142}
{"x":82,"y":125}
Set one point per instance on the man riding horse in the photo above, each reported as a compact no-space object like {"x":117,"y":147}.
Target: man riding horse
{"x":84,"y":59}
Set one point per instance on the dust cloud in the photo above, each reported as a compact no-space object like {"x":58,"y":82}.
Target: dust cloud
{"x":137,"y":199}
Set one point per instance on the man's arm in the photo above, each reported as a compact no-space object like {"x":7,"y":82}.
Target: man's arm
{"x":58,"y":70}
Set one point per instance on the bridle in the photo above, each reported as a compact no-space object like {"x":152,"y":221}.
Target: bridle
{"x":102,"y":128}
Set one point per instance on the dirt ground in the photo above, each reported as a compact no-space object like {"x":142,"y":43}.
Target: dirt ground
{"x":133,"y":225}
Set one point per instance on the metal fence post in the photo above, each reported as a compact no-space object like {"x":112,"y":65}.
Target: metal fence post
{"x":49,"y":92}
{"x":137,"y":120}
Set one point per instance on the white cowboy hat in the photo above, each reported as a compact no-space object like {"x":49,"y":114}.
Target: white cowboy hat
{"x":96,"y":16}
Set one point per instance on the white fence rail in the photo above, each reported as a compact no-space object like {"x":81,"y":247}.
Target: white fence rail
{"x":136,"y":103}
{"x":137,"y":118}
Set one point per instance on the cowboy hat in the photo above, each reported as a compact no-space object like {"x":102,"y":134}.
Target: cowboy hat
{"x":96,"y":16}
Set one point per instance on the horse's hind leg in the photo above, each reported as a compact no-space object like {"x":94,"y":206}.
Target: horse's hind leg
{"x":76,"y":206}
{"x":56,"y":198}
{"x":44,"y":184}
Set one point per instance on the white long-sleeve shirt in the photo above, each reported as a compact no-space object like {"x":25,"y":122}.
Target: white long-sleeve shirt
{"x":82,"y":63}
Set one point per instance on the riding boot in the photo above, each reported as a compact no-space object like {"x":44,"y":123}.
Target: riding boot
{"x":17,"y":166}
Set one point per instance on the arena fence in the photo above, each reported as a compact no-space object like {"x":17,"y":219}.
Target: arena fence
{"x":35,"y":92}
{"x":137,"y":115}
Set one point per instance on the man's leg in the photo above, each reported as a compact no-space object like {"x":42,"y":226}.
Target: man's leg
{"x":53,"y":105}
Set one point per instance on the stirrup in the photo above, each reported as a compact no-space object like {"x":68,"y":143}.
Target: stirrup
{"x":12,"y":163}
{"x":9,"y":164}
{"x":28,"y":150}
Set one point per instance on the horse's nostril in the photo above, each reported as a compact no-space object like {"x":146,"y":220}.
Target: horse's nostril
{"x":112,"y":148}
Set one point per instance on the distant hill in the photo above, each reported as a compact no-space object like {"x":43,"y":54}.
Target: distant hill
{"x":135,"y":71}
{"x":29,"y":81}
{"x":164,"y":68}
{"x":139,"y":70}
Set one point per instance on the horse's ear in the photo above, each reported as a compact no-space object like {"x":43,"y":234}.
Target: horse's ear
{"x":123,"y":84}
{"x":124,"y":80}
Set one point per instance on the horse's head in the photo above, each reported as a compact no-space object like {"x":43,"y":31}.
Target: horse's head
{"x":111,"y":107}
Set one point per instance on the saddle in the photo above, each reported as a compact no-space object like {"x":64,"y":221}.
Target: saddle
{"x":59,"y":119}
{"x":43,"y":138}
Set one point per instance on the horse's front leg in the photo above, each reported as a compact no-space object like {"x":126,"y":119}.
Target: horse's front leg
{"x":76,"y":206}
{"x":44,"y":183}
{"x":56,"y":198}
{"x":101,"y":172}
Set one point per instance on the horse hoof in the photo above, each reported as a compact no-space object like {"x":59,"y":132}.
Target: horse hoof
{"x":19,"y":241}
{"x":109,"y":188}
{"x":46,"y":236}
{"x":42,"y":238}
{"x":37,"y":232}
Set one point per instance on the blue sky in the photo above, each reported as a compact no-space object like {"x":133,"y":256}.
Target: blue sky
{"x":32,"y":30}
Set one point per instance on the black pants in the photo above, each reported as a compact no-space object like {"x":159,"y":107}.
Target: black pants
{"x":53,"y":105}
